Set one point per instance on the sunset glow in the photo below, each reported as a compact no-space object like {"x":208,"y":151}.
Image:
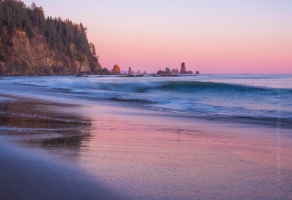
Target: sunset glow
{"x":210,"y":36}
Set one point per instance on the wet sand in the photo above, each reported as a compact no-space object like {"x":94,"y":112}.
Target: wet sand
{"x":26,"y":175}
{"x":70,"y":151}
{"x":29,"y":171}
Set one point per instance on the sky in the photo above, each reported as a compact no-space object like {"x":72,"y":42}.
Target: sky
{"x":212,"y":36}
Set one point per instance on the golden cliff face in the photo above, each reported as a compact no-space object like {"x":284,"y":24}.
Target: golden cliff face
{"x":34,"y":57}
{"x":116,"y":69}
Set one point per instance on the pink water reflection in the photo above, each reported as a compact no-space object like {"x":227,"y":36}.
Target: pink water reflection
{"x":185,"y":159}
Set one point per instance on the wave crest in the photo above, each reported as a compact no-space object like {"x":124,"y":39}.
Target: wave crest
{"x":147,"y":86}
{"x":184,"y":86}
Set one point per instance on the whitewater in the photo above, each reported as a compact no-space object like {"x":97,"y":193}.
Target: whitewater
{"x":252,"y":96}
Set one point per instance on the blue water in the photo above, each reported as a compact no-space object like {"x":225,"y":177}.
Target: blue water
{"x":255,"y":96}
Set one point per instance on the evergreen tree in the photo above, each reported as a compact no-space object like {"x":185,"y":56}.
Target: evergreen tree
{"x":1,"y":16}
{"x":92,"y":49}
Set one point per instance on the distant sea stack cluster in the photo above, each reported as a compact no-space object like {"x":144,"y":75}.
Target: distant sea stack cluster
{"x":175,"y":72}
{"x":116,"y":70}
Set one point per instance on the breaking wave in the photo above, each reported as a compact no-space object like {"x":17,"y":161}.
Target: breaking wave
{"x":143,"y":86}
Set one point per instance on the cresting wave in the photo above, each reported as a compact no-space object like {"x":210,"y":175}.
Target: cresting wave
{"x":143,"y":86}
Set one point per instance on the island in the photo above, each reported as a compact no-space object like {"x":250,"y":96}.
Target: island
{"x":175,"y":72}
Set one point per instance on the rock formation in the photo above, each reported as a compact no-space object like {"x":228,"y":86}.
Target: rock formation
{"x":130,"y":72}
{"x":183,"y":69}
{"x":197,"y":72}
{"x":174,"y":71}
{"x":33,"y":56}
{"x":167,"y":70}
{"x":161,"y":73}
{"x":104,"y":71}
{"x":116,"y":70}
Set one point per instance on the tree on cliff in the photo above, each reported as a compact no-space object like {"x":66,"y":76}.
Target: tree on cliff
{"x":38,"y":18}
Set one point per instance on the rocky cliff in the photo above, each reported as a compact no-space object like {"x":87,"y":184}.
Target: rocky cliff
{"x":34,"y":57}
{"x":32,"y":44}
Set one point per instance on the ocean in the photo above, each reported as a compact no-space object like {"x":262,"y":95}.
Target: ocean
{"x":250,"y":96}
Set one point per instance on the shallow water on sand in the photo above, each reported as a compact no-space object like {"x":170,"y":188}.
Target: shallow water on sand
{"x":156,"y":155}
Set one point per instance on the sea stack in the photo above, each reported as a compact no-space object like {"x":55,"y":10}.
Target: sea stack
{"x":174,"y":72}
{"x":116,"y":70}
{"x":167,"y":70}
{"x":183,"y":69}
{"x":130,"y":72}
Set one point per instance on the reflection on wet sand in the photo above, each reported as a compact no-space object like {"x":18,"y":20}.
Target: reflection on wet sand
{"x":47,"y":130}
{"x":172,"y":158}
{"x":155,"y":162}
{"x":27,"y":173}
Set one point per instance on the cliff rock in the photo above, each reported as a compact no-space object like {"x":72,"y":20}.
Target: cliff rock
{"x":116,"y":69}
{"x":33,"y":44}
{"x":104,"y":71}
{"x":34,"y":57}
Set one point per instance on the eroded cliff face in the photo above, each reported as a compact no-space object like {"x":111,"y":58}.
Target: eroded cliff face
{"x":34,"y":57}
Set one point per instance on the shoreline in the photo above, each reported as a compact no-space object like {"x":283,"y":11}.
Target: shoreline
{"x":137,"y":154}
{"x":157,"y":111}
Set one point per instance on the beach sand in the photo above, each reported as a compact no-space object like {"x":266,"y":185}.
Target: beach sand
{"x":52,"y":150}
{"x":30,"y":173}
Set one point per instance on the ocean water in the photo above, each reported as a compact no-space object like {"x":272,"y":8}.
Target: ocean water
{"x":252,"y":96}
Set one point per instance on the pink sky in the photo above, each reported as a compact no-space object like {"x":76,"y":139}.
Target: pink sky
{"x":210,"y":36}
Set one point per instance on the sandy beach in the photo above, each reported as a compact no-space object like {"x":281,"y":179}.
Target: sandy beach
{"x":52,"y":150}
